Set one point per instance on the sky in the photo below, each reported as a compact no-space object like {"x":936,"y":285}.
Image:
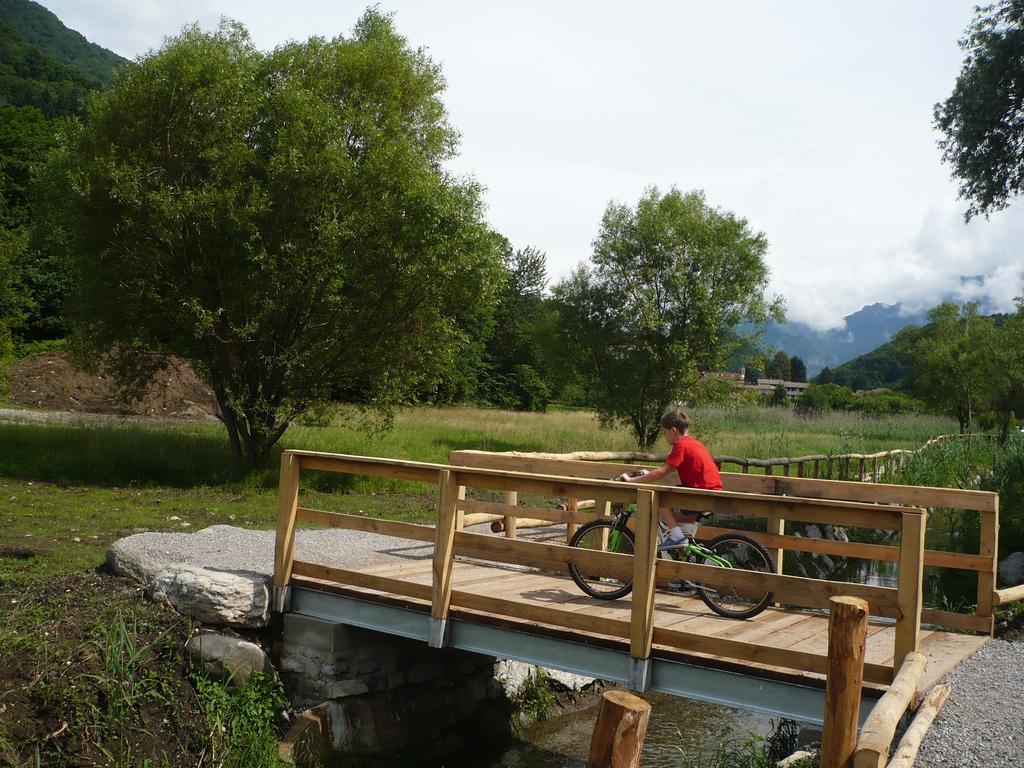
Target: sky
{"x":812,"y":120}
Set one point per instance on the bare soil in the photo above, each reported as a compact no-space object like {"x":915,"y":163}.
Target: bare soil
{"x":50,"y":381}
{"x":56,"y":677}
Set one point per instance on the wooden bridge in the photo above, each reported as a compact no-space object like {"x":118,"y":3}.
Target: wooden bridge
{"x":511,"y":598}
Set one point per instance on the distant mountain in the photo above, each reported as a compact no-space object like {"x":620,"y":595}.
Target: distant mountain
{"x":44,"y":30}
{"x":864,"y":330}
{"x":31,"y":78}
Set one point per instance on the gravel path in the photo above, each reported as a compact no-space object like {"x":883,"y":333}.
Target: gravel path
{"x":229,"y":548}
{"x":982,"y":723}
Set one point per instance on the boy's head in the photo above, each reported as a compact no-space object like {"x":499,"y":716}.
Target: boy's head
{"x":674,"y":425}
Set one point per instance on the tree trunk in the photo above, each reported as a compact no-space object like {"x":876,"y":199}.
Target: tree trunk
{"x":230,"y":419}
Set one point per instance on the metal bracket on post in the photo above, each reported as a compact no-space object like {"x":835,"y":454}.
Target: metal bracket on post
{"x":281,"y":599}
{"x":439,"y":636}
{"x":639,"y":675}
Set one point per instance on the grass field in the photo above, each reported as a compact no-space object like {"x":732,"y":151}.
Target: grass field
{"x":67,"y":492}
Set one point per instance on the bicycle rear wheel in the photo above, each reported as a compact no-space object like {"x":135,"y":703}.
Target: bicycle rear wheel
{"x":602,"y":536}
{"x":743,"y":553}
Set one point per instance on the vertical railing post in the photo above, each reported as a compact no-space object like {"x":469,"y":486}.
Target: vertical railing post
{"x":777,"y":526}
{"x":989,"y":548}
{"x":511,"y":499}
{"x":908,"y":596}
{"x":645,"y":553}
{"x":284,"y":538}
{"x":570,"y":527}
{"x":444,"y":539}
{"x":847,"y":633}
{"x":460,"y":514}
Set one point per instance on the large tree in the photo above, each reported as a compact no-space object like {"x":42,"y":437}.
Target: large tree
{"x":283,"y":221}
{"x":797,"y":369}
{"x":951,"y":363}
{"x":983,"y":119}
{"x":671,"y":280}
{"x":778,"y":367}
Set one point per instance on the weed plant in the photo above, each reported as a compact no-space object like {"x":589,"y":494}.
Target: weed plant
{"x":535,"y":699}
{"x":243,"y":725}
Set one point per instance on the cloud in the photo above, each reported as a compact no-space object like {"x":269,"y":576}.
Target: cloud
{"x":946,"y":259}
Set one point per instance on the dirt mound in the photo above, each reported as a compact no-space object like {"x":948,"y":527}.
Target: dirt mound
{"x":50,"y":381}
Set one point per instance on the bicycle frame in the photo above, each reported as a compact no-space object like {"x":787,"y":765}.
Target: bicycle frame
{"x":685,"y":550}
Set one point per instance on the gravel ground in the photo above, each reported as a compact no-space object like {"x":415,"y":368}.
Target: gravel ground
{"x":982,"y":723}
{"x":229,"y":548}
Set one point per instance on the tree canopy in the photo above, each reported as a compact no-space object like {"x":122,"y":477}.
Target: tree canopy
{"x":671,"y":280}
{"x":281,"y":220}
{"x":983,"y":119}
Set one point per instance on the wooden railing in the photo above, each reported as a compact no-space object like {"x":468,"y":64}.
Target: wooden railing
{"x":775,"y":539}
{"x":902,"y":603}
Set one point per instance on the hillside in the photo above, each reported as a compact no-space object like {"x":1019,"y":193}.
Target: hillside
{"x":881,"y":367}
{"x":31,"y":78}
{"x":41,"y":28}
{"x":864,"y":330}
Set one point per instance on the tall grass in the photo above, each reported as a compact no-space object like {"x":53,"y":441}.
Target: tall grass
{"x":197,"y":454}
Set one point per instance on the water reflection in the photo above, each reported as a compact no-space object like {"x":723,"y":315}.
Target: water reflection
{"x":677,"y":727}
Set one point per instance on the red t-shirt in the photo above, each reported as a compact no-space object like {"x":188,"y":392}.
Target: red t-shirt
{"x":694,"y":464}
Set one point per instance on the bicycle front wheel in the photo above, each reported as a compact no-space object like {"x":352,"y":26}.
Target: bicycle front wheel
{"x":740,"y":601}
{"x":592,"y":578}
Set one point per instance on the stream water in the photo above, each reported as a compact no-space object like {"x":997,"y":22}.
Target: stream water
{"x":677,"y":727}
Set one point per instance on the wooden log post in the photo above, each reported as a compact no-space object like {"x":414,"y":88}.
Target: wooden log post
{"x":874,"y":469}
{"x":284,"y":539}
{"x":847,"y":633}
{"x":989,"y":548}
{"x":511,"y":499}
{"x":619,"y":732}
{"x":799,"y":469}
{"x":444,"y":538}
{"x":906,"y":752}
{"x":909,"y":587}
{"x":863,"y":467}
{"x":642,"y":615}
{"x":880,"y":727}
{"x":817,"y":468}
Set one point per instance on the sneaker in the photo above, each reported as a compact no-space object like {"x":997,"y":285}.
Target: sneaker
{"x":671,"y":543}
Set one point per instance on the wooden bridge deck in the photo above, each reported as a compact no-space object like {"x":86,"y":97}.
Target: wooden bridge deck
{"x":535,"y":594}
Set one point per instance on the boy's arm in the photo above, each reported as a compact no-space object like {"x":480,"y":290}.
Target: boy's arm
{"x":651,"y":475}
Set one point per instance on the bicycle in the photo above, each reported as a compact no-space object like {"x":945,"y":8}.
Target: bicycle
{"x":729,"y":550}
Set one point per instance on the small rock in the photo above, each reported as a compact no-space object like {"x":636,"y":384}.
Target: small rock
{"x":1011,"y":570}
{"x":213,"y":597}
{"x":228,"y":658}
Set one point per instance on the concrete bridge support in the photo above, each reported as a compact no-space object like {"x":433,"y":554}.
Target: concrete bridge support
{"x":379,"y":694}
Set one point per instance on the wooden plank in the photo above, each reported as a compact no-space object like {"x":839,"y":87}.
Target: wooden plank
{"x":367,"y":465}
{"x":531,"y":612}
{"x":536,"y":554}
{"x":287,"y":505}
{"x":370,"y":524}
{"x":963,"y":621}
{"x":737,"y":649}
{"x":905,"y":495}
{"x":906,"y":752}
{"x":987,"y":579}
{"x":645,"y":553}
{"x":795,"y":590}
{"x":932,"y":557}
{"x":447,"y":493}
{"x":363,"y":580}
{"x":909,"y":591}
{"x":497,"y":509}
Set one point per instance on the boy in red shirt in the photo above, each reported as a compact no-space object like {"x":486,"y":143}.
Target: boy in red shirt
{"x":695,"y":467}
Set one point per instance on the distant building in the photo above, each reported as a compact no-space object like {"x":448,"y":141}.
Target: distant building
{"x":793,"y":388}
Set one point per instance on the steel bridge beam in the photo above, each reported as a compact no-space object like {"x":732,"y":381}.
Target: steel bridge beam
{"x":732,"y":689}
